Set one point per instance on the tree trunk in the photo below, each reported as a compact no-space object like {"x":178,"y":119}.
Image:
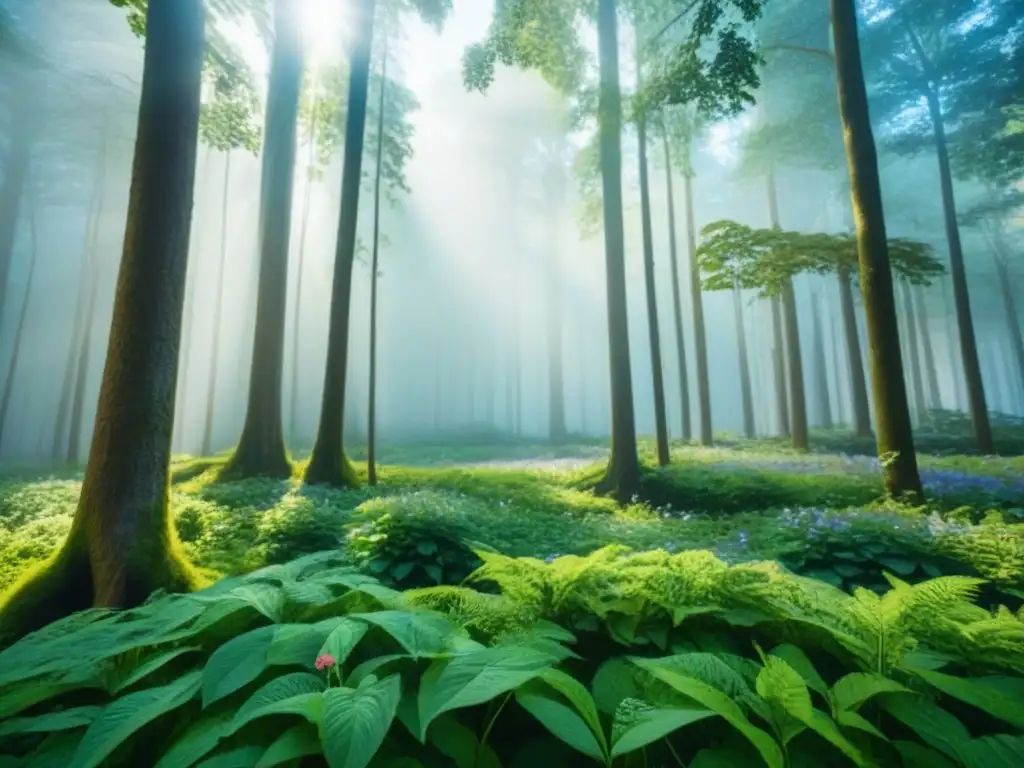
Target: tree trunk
{"x":797,"y":392}
{"x":660,"y":420}
{"x":931,"y":373}
{"x":19,"y":333}
{"x":895,"y":436}
{"x":955,"y":368}
{"x":261,"y":449}
{"x":293,"y":406}
{"x":82,"y":368}
{"x":677,"y":300}
{"x":779,"y":350}
{"x":371,"y":411}
{"x":961,"y":296}
{"x":699,"y":336}
{"x":16,"y":165}
{"x":327,"y":463}
{"x":834,"y":343}
{"x":914,"y":353}
{"x":218,"y":308}
{"x":858,"y":384}
{"x":821,"y":367}
{"x":622,"y":478}
{"x":557,"y":431}
{"x":122,"y":545}
{"x":1012,"y":318}
{"x":745,"y":389}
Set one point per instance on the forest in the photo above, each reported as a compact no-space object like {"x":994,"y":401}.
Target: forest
{"x":469,"y":384}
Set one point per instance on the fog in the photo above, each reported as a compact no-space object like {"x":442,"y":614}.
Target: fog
{"x":464,"y":274}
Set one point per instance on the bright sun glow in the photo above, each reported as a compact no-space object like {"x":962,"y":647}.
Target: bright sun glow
{"x":324,"y":28}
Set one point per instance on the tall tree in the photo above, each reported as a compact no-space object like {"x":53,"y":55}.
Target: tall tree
{"x":895,"y":436}
{"x":261,"y":449}
{"x":821,"y":384}
{"x":122,"y":544}
{"x":746,"y":393}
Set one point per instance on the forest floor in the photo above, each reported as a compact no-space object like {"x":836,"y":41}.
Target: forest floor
{"x":746,"y":500}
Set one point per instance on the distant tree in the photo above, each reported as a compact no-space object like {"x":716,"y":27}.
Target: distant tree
{"x":122,"y":544}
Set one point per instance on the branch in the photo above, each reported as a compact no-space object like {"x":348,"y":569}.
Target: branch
{"x":673,"y":22}
{"x":802,"y":49}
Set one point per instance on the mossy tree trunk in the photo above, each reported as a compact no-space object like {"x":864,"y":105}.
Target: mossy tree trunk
{"x":218,"y":309}
{"x":895,"y":437}
{"x":914,"y":353}
{"x":622,"y":477}
{"x":19,"y":331}
{"x":794,"y":359}
{"x":677,"y":299}
{"x":371,"y":410}
{"x":927,"y":351}
{"x":821,"y":367}
{"x":778,"y":343}
{"x":328,"y":463}
{"x":700,"y":342}
{"x":122,"y":545}
{"x":858,"y":384}
{"x":261,"y":449}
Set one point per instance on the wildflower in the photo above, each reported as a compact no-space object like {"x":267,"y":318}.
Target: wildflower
{"x":325,"y":661}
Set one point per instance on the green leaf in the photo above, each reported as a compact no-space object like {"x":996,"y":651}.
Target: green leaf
{"x":851,"y":691}
{"x":295,"y":694}
{"x":614,"y":681}
{"x":125,"y":716}
{"x":780,"y":682}
{"x":1001,"y":751}
{"x":823,"y":725}
{"x":236,"y":663}
{"x":297,"y":742}
{"x":934,"y":725}
{"x":355,"y":722}
{"x":465,"y":681}
{"x":803,"y":666}
{"x":423,"y":634}
{"x":849,"y":719}
{"x":579,"y":697}
{"x":899,"y":565}
{"x":298,"y":644}
{"x":239,"y":757}
{"x":343,"y":639}
{"x":63,"y":720}
{"x":426,"y":547}
{"x":199,"y":740}
{"x":634,"y":726}
{"x":434,"y":572}
{"x":151,"y":665}
{"x":915,"y":755}
{"x":982,"y":693}
{"x":719,"y":703}
{"x":56,"y":751}
{"x":370,"y":666}
{"x":560,"y":719}
{"x":402,"y":570}
{"x":458,"y":743}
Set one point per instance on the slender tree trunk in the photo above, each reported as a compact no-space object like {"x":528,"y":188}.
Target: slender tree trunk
{"x":677,"y":300}
{"x":797,"y":391}
{"x":699,"y":336}
{"x":82,"y":370}
{"x":821,"y":367}
{"x":218,"y":308}
{"x":293,"y":407}
{"x":1013,"y":326}
{"x":622,"y":477}
{"x":834,"y":339}
{"x":858,"y":385}
{"x":779,"y":351}
{"x":913,"y":352}
{"x":122,"y":544}
{"x":961,"y":296}
{"x":557,"y":431}
{"x":327,"y":463}
{"x":931,"y":374}
{"x":895,"y":436}
{"x":261,"y":449}
{"x":745,"y":390}
{"x":654,"y":331}
{"x":371,"y":411}
{"x":19,"y":333}
{"x":16,"y":165}
{"x":955,"y":368}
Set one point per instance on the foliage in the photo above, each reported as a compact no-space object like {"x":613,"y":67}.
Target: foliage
{"x":405,"y":545}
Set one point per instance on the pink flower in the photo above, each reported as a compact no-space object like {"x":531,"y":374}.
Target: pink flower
{"x":325,"y":661}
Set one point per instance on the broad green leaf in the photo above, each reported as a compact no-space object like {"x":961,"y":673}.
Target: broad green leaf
{"x":464,"y":681}
{"x":852,"y":690}
{"x":721,"y":705}
{"x":980,"y":693}
{"x":239,"y":757}
{"x":614,"y":681}
{"x":371,"y":666}
{"x":423,"y":634}
{"x":306,"y":594}
{"x":849,"y":719}
{"x":29,"y":693}
{"x":355,"y":722}
{"x":580,"y":699}
{"x":552,"y":631}
{"x":63,"y":720}
{"x":458,"y":743}
{"x":199,"y":740}
{"x":915,"y":755}
{"x":803,"y":666}
{"x":236,"y":663}
{"x":780,"y":682}
{"x":297,"y":742}
{"x":824,"y":726}
{"x":298,"y":644}
{"x":634,"y":727}
{"x":1001,"y":751}
{"x":296,"y":694}
{"x":343,"y":639}
{"x":562,"y":720}
{"x":934,"y":725}
{"x":401,"y":570}
{"x":56,"y":751}
{"x":151,"y":665}
{"x":124,"y":717}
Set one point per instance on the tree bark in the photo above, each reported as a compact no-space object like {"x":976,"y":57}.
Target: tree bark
{"x":677,"y":300}
{"x":779,"y":350}
{"x":16,"y":166}
{"x":821,"y":367}
{"x":858,"y":385}
{"x":218,"y":309}
{"x":261,"y":449}
{"x":371,"y":411}
{"x":928,"y":352}
{"x":328,"y":463}
{"x":622,"y":477}
{"x":745,"y":389}
{"x":914,"y":353}
{"x":961,"y":296}
{"x":19,"y":333}
{"x":699,"y":335}
{"x":797,"y":392}
{"x":122,"y":544}
{"x":1013,"y":327}
{"x":895,"y":437}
